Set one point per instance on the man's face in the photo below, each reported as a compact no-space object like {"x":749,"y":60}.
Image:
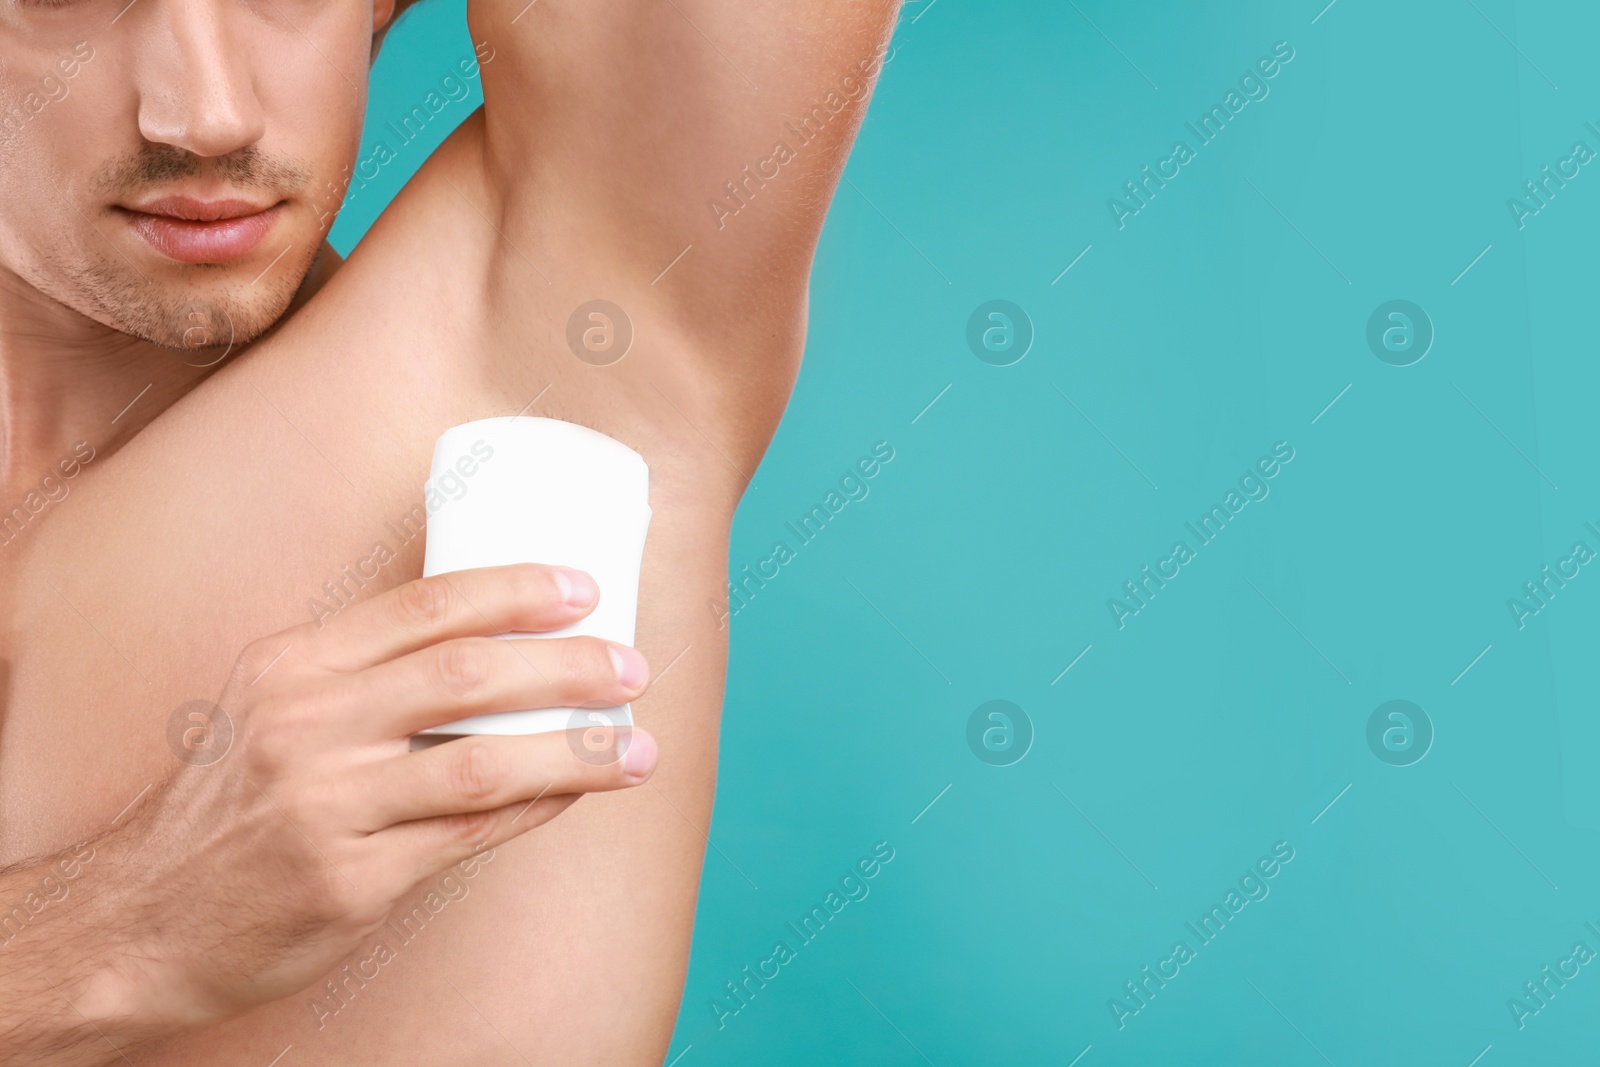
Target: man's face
{"x":170,"y":167}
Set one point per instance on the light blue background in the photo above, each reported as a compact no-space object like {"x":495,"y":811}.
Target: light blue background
{"x":1227,"y":714}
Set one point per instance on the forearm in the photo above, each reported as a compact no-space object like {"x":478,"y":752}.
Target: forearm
{"x":64,"y":1001}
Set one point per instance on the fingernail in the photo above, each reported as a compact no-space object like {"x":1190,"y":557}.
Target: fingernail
{"x":577,"y":588}
{"x":640,"y":759}
{"x":630,"y":666}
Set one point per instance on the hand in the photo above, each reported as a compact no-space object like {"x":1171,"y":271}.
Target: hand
{"x":249,"y":879}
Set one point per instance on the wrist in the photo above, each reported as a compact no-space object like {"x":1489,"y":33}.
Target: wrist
{"x":73,"y":989}
{"x":126,"y":979}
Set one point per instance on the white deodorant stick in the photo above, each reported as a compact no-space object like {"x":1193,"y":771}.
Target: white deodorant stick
{"x":529,"y":490}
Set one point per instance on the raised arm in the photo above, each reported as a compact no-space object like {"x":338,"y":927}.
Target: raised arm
{"x":680,"y":153}
{"x":674,"y":157}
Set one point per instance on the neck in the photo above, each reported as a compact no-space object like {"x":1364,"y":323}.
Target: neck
{"x":66,"y":379}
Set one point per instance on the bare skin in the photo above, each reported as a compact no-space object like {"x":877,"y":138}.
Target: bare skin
{"x":302,"y":820}
{"x":605,"y":130}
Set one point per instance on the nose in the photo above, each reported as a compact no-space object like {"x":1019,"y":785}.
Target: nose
{"x":197,"y":89}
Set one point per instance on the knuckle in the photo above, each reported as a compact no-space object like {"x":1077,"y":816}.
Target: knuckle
{"x":337,"y":899}
{"x":255,"y":654}
{"x":274,"y":735}
{"x":260,"y":656}
{"x":476,"y":773}
{"x":470,"y":828}
{"x":265,"y":751}
{"x":462,"y":667}
{"x":281,"y":729}
{"x":426,"y":602}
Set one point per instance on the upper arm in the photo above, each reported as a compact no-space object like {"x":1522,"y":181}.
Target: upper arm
{"x":624,"y":137}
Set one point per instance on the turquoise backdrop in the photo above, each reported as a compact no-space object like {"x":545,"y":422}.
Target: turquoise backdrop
{"x":1428,"y":860}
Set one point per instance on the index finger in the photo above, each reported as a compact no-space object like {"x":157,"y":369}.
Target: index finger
{"x":484,"y":601}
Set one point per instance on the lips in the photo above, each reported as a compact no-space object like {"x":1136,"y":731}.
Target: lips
{"x":203,"y":231}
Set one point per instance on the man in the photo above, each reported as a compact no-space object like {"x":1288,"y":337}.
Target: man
{"x":169,"y":169}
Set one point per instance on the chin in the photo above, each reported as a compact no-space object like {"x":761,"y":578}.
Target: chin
{"x":211,"y":326}
{"x":208,"y":314}
{"x":202,"y":324}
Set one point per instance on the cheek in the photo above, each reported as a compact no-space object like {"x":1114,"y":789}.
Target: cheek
{"x":60,"y":149}
{"x":313,"y":86}
{"x":58,"y":132}
{"x":319,"y":130}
